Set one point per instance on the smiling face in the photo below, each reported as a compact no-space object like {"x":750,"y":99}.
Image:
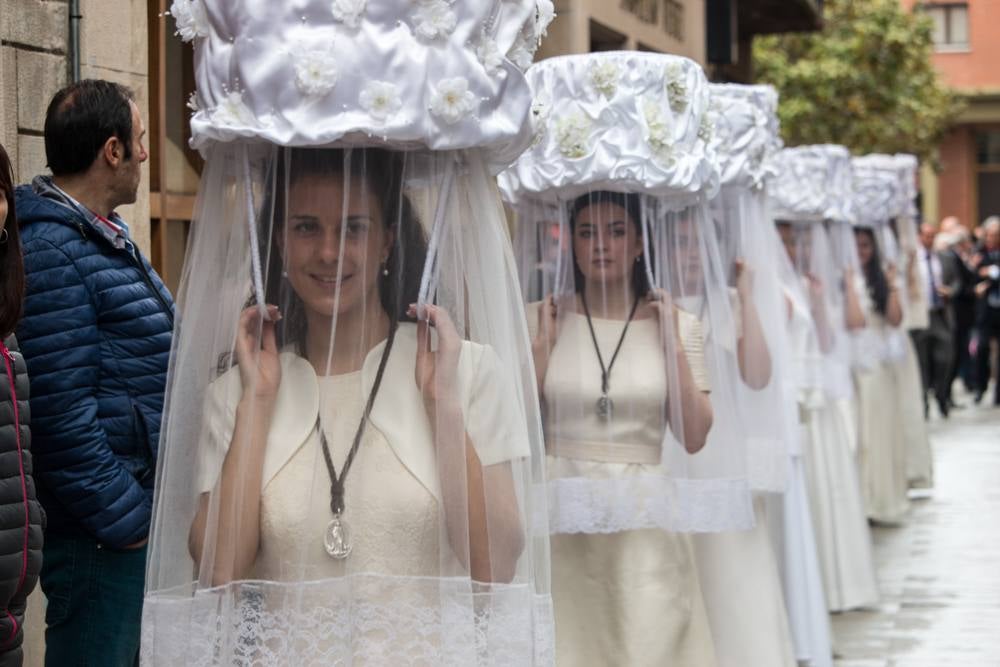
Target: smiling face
{"x":606,"y":243}
{"x":324,"y":248}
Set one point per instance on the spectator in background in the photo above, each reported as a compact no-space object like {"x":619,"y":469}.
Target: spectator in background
{"x":956,"y":253}
{"x":96,"y":335}
{"x":935,"y":344}
{"x":987,"y":290}
{"x":21,"y":517}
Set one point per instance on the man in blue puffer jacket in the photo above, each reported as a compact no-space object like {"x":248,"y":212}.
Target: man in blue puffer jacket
{"x":96,"y":337}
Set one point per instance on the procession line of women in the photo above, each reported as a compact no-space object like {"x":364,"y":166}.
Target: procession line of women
{"x":632,"y":437}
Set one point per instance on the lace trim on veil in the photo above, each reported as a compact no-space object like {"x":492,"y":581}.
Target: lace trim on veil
{"x":584,"y":505}
{"x":355,"y":620}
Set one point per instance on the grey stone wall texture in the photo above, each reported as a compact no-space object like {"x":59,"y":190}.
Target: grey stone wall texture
{"x":35,"y":63}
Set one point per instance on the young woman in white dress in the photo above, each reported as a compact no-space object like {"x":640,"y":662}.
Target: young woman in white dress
{"x":351,"y":469}
{"x":631,"y":323}
{"x":626,"y":597}
{"x":881,"y":448}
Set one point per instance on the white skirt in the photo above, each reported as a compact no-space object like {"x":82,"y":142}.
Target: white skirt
{"x":881,"y":448}
{"x":795,"y":545}
{"x":919,"y":458}
{"x":843,"y":539}
{"x":743,"y":596}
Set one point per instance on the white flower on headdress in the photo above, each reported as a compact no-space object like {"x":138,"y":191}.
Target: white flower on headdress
{"x":677,"y":91}
{"x":489,"y":54}
{"x":545,"y":13}
{"x":348,"y":12}
{"x":452,"y":100}
{"x":316,"y":72}
{"x":190,"y":18}
{"x":604,"y":77}
{"x":380,"y":99}
{"x":660,"y":137}
{"x":706,"y":128}
{"x":434,"y":19}
{"x":233,"y":111}
{"x":573,"y":135}
{"x":540,"y":110}
{"x":522,"y":52}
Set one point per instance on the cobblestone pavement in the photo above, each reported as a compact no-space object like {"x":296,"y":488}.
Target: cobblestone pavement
{"x":939,"y":574}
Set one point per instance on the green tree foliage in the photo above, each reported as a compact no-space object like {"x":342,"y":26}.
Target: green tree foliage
{"x":865,"y":81}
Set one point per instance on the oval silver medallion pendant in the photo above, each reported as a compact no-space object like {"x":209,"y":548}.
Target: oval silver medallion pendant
{"x":337,"y":538}
{"x":605,"y":407}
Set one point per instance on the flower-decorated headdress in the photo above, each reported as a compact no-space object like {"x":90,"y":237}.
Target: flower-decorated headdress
{"x":745,"y":132}
{"x":621,"y":121}
{"x":438,"y":74}
{"x":812,"y":183}
{"x":878,"y":195}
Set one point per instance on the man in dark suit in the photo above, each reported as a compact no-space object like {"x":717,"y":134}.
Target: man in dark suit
{"x":960,"y":281}
{"x":934,"y":345}
{"x":988,"y":291}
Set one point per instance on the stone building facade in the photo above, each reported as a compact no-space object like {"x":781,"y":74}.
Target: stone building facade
{"x":35,"y":61}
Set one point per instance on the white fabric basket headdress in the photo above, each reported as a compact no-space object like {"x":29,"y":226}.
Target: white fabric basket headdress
{"x":877,"y":188}
{"x":619,"y":121}
{"x":439,"y":74}
{"x":812,"y":183}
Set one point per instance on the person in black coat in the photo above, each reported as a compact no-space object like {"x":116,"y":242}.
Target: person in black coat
{"x":988,"y":317}
{"x":21,"y":516}
{"x":960,"y":280}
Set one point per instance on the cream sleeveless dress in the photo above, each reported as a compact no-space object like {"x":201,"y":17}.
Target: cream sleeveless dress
{"x":630,"y":597}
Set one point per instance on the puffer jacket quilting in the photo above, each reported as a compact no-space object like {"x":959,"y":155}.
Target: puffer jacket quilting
{"x":21,"y":516}
{"x":96,"y":335}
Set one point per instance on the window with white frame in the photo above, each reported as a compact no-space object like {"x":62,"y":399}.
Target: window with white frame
{"x":950,"y":25}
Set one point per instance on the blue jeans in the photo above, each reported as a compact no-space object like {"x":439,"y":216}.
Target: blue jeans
{"x":94,"y":603}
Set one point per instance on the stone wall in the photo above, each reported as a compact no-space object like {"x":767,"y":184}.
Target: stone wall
{"x":34,"y":64}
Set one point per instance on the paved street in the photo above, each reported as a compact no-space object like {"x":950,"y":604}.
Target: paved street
{"x":940,"y":574}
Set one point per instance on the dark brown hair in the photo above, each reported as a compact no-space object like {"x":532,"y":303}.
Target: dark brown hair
{"x":11,"y":262}
{"x":79,"y":121}
{"x":875,"y":280}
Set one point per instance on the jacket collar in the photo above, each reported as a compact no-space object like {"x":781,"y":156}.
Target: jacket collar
{"x":112,"y":229}
{"x":398,"y":413}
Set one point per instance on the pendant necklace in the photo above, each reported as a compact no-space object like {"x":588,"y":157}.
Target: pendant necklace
{"x":337,"y":536}
{"x":605,"y":406}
